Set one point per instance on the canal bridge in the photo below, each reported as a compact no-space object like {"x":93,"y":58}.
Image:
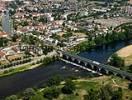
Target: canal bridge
{"x":94,"y":65}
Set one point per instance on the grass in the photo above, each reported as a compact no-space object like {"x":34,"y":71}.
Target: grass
{"x":87,"y":85}
{"x":71,"y":97}
{"x":84,"y":85}
{"x":128,"y":60}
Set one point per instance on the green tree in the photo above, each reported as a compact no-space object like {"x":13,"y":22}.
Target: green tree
{"x":69,"y":87}
{"x":54,"y":81}
{"x":106,"y":92}
{"x":37,"y":97}
{"x":51,"y":93}
{"x":12,"y":97}
{"x":3,"y":42}
{"x":117,"y":95}
{"x":29,"y":92}
{"x":130,"y":86}
{"x":92,"y":95}
{"x":117,"y":61}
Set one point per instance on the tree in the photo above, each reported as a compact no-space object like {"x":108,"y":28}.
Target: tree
{"x":54,"y":81}
{"x":106,"y":92}
{"x":130,"y":68}
{"x":117,"y":95}
{"x":28,"y":93}
{"x":92,"y":95}
{"x":51,"y":93}
{"x":12,"y":97}
{"x":14,"y":38}
{"x":116,"y":61}
{"x":43,"y":19}
{"x":69,"y":87}
{"x":37,"y":97}
{"x":3,"y":42}
{"x":130,"y":86}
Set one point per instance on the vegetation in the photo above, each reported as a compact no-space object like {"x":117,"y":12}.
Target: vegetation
{"x":69,"y":87}
{"x":29,"y":39}
{"x":130,"y":86}
{"x":124,"y":34}
{"x":43,"y":19}
{"x":116,"y":61}
{"x":44,"y":61}
{"x":54,"y":81}
{"x":51,"y":93}
{"x":101,"y":88}
{"x":3,"y":42}
{"x":12,"y":97}
{"x":67,"y":35}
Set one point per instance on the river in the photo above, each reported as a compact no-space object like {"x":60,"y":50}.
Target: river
{"x":15,"y":83}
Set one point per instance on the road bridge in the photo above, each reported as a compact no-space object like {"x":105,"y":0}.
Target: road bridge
{"x":94,"y":65}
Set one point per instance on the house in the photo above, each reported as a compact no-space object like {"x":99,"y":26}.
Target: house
{"x":2,"y":55}
{"x":3,"y":34}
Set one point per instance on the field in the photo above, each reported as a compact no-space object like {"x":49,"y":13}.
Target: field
{"x":126,"y":54}
{"x":84,"y":85}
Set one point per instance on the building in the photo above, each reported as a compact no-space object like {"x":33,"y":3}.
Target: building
{"x":6,"y":22}
{"x":2,"y":6}
{"x":3,"y":34}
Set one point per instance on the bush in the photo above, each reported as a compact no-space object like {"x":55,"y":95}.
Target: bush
{"x":130,"y":86}
{"x":37,"y":97}
{"x":69,"y":87}
{"x":28,"y":93}
{"x":51,"y":93}
{"x":54,"y":81}
{"x":12,"y":97}
{"x":117,"y":61}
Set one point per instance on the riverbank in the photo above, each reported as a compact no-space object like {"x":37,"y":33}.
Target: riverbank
{"x":28,"y":66}
{"x":126,"y":54}
{"x":83,"y":86}
{"x":104,"y":39}
{"x":22,"y":68}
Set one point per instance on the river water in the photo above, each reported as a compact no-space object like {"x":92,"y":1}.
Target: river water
{"x":102,"y":53}
{"x":15,"y":83}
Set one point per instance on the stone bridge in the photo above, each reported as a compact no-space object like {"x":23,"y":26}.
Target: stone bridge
{"x":96,"y":66}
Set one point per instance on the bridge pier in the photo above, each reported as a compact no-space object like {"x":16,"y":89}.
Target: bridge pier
{"x":73,"y":59}
{"x":107,"y":72}
{"x":85,"y":63}
{"x":67,"y":57}
{"x":123,"y":76}
{"x":92,"y":66}
{"x":99,"y":69}
{"x":115,"y":74}
{"x":79,"y":61}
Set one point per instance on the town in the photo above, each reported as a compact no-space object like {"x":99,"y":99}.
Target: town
{"x":33,"y":31}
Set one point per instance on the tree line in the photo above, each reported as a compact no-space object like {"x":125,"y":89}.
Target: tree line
{"x":106,"y":38}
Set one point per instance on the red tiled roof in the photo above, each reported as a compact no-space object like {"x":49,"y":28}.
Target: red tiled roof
{"x":1,"y":54}
{"x":2,"y":34}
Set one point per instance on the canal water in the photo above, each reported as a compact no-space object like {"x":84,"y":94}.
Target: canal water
{"x":15,"y":83}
